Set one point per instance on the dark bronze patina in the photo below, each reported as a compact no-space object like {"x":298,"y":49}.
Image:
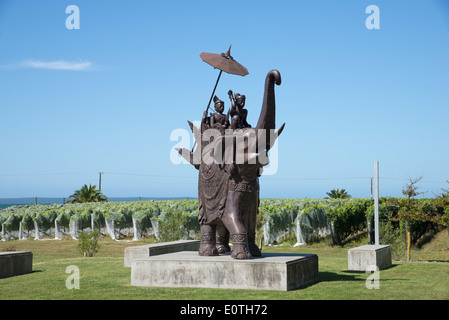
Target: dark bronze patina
{"x":230,"y":157}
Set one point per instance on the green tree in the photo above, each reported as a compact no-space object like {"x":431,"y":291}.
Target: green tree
{"x":445,"y":193}
{"x":442,"y":202}
{"x":411,"y":210}
{"x":337,"y":194}
{"x":87,"y":194}
{"x":411,"y":189}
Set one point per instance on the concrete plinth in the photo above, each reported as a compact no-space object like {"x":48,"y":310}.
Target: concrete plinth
{"x":145,"y":251}
{"x":187,"y":269}
{"x":363,"y":258}
{"x":15,"y":263}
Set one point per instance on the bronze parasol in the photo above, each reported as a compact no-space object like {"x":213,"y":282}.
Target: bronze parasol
{"x":224,"y":62}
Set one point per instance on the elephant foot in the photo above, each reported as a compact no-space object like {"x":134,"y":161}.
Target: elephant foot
{"x":240,"y":248}
{"x":254,"y":249}
{"x":222,"y":244}
{"x":241,"y":255}
{"x":207,"y":245}
{"x":221,"y":248}
{"x":222,"y":240}
{"x":207,"y":250}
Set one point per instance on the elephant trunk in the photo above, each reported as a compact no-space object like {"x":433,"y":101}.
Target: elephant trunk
{"x":267,"y":118}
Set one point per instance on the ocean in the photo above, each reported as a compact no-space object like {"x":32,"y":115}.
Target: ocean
{"x":8,"y":202}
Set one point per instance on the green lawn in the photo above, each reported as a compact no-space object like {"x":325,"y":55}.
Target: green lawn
{"x":104,"y":276}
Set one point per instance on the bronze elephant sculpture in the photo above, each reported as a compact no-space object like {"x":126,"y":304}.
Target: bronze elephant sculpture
{"x":229,"y":159}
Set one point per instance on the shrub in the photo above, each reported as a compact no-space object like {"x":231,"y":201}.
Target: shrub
{"x":172,"y":226}
{"x":88,"y":243}
{"x":394,"y":237}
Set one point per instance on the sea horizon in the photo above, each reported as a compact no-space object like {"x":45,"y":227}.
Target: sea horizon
{"x":9,"y":202}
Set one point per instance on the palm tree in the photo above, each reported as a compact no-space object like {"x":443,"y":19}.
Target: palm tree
{"x":87,"y":194}
{"x":337,"y":194}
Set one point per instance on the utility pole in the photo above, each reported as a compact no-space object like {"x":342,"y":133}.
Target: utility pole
{"x":371,"y":187}
{"x":99,"y":182}
{"x":376,"y":202}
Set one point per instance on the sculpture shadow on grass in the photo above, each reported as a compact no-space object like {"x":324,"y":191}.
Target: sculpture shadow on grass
{"x":325,"y":276}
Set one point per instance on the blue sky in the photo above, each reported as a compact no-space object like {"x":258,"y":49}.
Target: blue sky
{"x":106,"y":97}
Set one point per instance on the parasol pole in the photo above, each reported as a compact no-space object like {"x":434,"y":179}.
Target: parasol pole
{"x":212,"y":96}
{"x":210,"y":100}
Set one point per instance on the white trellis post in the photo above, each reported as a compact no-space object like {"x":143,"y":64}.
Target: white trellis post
{"x":3,"y":232}
{"x":37,"y":236}
{"x":21,"y":231}
{"x":92,"y":221}
{"x":136,"y":229}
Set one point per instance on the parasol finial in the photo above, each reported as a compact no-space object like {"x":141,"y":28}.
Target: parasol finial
{"x":227,"y":55}
{"x":224,"y":62}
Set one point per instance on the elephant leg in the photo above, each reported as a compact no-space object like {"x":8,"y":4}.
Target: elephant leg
{"x":233,"y":222}
{"x":207,"y":242}
{"x":222,"y":239}
{"x":250,"y":221}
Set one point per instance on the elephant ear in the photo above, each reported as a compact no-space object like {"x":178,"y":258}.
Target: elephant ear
{"x":191,"y":158}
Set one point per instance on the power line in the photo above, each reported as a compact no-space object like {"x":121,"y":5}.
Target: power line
{"x":43,"y":174}
{"x":318,"y":179}
{"x":87,"y":173}
{"x":184,"y":177}
{"x":145,"y":175}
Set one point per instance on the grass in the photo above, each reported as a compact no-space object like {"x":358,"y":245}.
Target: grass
{"x":433,"y":248}
{"x":103,"y":277}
